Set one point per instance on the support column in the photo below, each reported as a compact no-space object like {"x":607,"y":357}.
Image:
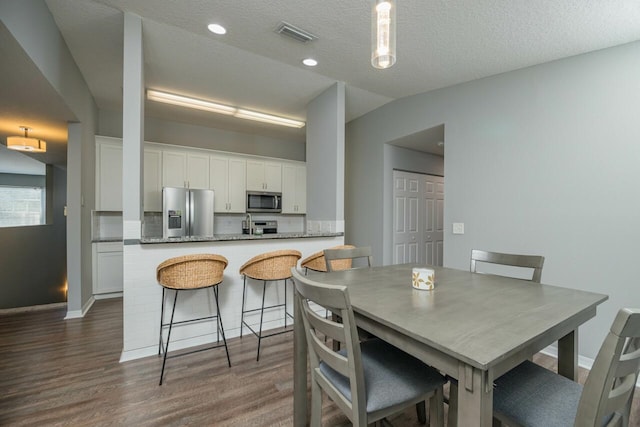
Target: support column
{"x":325,"y":160}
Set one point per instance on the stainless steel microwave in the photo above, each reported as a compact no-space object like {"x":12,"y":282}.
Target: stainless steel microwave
{"x":259,"y":201}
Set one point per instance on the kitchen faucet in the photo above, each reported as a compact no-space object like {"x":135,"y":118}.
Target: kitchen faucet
{"x":248,"y":220}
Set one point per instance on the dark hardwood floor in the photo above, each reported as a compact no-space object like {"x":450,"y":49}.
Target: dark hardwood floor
{"x":57,"y":372}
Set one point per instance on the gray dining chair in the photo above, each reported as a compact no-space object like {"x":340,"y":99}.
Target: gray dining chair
{"x":353,"y":254}
{"x":530,"y":395}
{"x":534,"y":262}
{"x":368,"y":381}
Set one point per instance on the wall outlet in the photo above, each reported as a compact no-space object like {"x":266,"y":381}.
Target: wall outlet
{"x":458,"y":228}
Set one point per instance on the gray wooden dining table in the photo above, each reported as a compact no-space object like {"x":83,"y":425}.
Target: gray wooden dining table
{"x":473,"y":327}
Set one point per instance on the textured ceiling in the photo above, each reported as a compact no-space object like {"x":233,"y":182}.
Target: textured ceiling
{"x":440,"y":43}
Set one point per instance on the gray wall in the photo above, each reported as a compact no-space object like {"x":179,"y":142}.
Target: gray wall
{"x":542,"y":160}
{"x":33,"y":27}
{"x":33,"y":259}
{"x":22,"y":180}
{"x":166,"y":132}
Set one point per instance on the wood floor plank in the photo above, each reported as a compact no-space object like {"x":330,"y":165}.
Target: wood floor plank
{"x":67,"y":372}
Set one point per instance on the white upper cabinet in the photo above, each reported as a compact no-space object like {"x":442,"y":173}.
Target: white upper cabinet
{"x":108,"y":174}
{"x":152,"y":180}
{"x":294,"y":189}
{"x":264,"y":176}
{"x":185,"y":169}
{"x":228,"y":181}
{"x":174,"y":169}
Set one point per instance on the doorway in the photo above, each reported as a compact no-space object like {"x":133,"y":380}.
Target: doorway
{"x":418,"y":218}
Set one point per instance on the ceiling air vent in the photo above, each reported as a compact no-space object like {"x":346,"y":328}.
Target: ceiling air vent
{"x":296,"y":33}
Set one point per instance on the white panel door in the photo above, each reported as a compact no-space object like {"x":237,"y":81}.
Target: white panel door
{"x":405,"y":218}
{"x":418,"y":218}
{"x":174,"y":169}
{"x":219,"y":183}
{"x":198,"y":171}
{"x":237,"y":185}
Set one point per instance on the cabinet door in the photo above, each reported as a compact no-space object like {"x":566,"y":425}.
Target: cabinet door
{"x":198,"y":171}
{"x":301,"y":189}
{"x":288,"y":189}
{"x":108,"y":268}
{"x":218,"y":182}
{"x":152,"y":180}
{"x":255,"y":176}
{"x":108,"y":176}
{"x":174,"y":169}
{"x":273,"y":177}
{"x":237,"y":185}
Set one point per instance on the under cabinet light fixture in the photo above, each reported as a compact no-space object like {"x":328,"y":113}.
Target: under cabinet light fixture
{"x":24,"y":143}
{"x":214,"y":107}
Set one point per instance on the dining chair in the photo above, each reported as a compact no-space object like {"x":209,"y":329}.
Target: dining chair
{"x":332,"y":256}
{"x":534,"y":262}
{"x":367,"y":380}
{"x":189,"y":273}
{"x":530,"y":395}
{"x":316,"y":261}
{"x":525,"y":261}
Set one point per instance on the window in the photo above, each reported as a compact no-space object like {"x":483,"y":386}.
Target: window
{"x":20,"y":206}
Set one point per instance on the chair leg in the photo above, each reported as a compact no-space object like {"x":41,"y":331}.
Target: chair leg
{"x":161,"y":320}
{"x":244,"y":292}
{"x":452,"y":419}
{"x":264,"y":291}
{"x":436,"y":408}
{"x":316,"y":404}
{"x":220,"y":326}
{"x":421,"y":412}
{"x":166,"y":349}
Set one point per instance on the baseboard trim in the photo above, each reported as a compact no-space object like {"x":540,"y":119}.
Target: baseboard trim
{"x":30,"y":308}
{"x":75,"y":314}
{"x":108,"y":295}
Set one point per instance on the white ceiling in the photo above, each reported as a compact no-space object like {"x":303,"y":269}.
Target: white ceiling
{"x":440,"y":43}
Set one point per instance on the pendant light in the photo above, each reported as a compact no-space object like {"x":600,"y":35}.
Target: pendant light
{"x":24,"y":143}
{"x":383,"y":33}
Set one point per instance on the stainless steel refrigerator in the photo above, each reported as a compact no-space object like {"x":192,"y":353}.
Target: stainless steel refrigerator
{"x":187,"y":212}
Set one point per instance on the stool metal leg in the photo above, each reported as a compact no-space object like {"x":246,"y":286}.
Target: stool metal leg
{"x":166,"y":349}
{"x":220,"y":327}
{"x":264,"y":291}
{"x":244,"y":292}
{"x":161,"y":320}
{"x":285,"y":303}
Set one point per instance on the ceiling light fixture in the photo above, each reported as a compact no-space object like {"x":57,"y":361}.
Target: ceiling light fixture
{"x":217,"y":29}
{"x":383,"y":33}
{"x":24,"y":143}
{"x":310,"y":62}
{"x":214,"y":107}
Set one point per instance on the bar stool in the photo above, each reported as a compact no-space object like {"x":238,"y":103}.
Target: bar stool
{"x":270,"y":266}
{"x":187,"y":273}
{"x":316,"y":262}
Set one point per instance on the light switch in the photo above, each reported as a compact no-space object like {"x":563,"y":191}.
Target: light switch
{"x":458,"y":228}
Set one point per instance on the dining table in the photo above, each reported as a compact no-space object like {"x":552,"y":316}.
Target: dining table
{"x":471,"y":327}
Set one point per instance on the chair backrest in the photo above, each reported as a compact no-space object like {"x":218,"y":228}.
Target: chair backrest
{"x":331,"y":255}
{"x":526,"y":261}
{"x":336,"y":299}
{"x":608,"y":391}
{"x":274,"y":265}
{"x":191,"y":271}
{"x":316,"y":261}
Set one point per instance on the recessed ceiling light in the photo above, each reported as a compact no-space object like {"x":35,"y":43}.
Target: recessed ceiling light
{"x":217,"y":29}
{"x":310,"y":62}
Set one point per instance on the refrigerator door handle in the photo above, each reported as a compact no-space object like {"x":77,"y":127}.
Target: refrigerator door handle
{"x":190,"y":213}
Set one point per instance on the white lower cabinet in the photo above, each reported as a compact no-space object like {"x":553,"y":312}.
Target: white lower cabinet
{"x":107,"y":268}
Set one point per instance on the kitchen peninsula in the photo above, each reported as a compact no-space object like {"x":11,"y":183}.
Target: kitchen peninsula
{"x":142,"y":296}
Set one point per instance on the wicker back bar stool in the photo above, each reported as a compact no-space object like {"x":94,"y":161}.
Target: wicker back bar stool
{"x":188,"y":273}
{"x":316,"y":261}
{"x":270,"y":266}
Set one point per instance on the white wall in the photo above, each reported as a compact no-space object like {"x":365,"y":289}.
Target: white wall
{"x":542,"y":160}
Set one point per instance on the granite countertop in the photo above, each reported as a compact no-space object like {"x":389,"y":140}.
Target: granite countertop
{"x":234,"y":237}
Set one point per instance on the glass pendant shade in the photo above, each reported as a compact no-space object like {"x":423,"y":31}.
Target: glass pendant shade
{"x":383,"y":33}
